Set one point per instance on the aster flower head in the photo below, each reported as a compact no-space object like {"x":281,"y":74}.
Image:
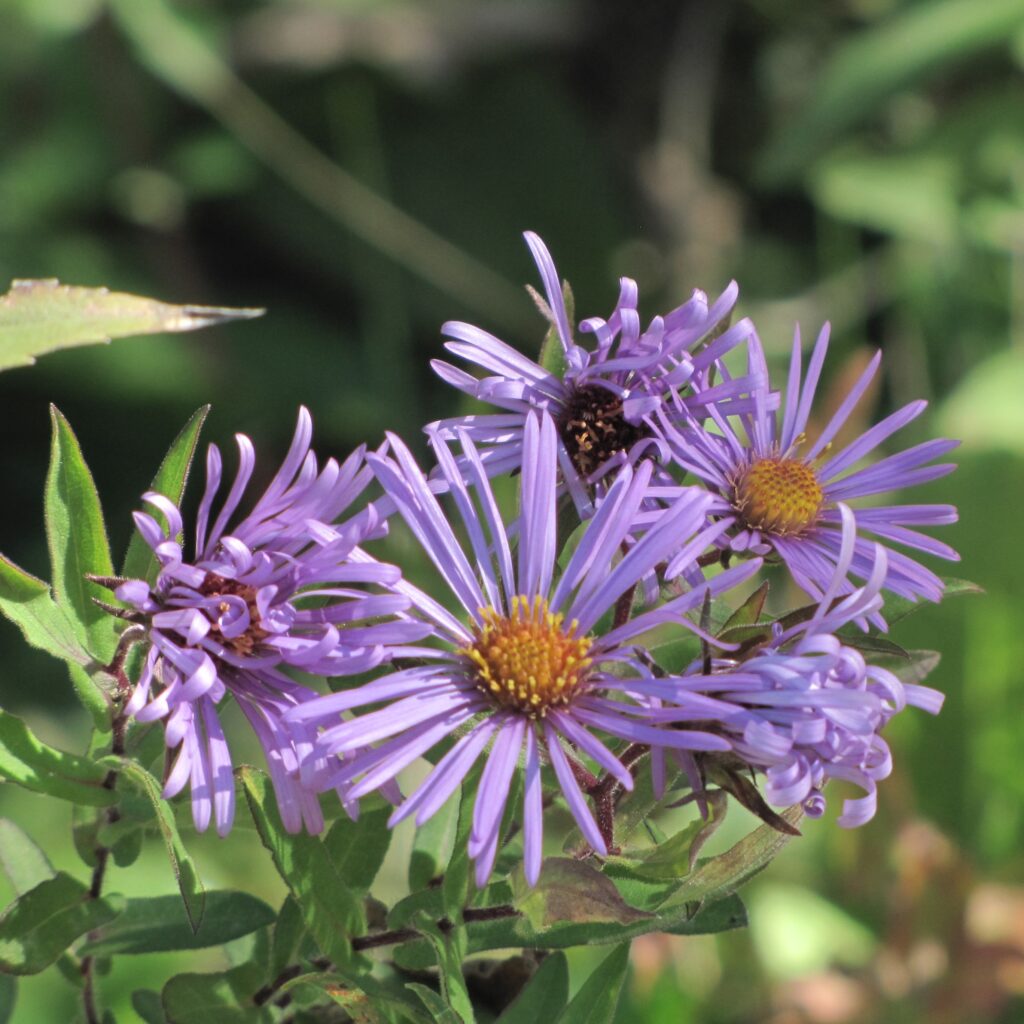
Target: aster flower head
{"x":780,"y":491}
{"x":810,"y":707}
{"x":530,"y":675}
{"x":275,"y":590}
{"x":604,"y":400}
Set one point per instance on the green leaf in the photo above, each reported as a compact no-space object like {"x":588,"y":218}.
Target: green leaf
{"x":449,"y":948}
{"x":78,"y":541}
{"x":31,"y":763}
{"x":38,"y":317}
{"x":184,"y":869}
{"x":332,"y":912}
{"x":544,"y":996}
{"x":357,"y":848}
{"x":571,"y":892}
{"x":8,"y":997}
{"x":156,"y":924}
{"x":40,"y":925}
{"x":432,"y":846}
{"x":24,"y":864}
{"x":673,"y":859}
{"x":877,"y":63}
{"x":379,"y":996}
{"x":146,"y":1003}
{"x":749,"y":612}
{"x":897,"y":608}
{"x":288,"y":933}
{"x":456,"y":883}
{"x":209,"y":999}
{"x":552,"y":354}
{"x":597,"y":1000}
{"x":719,"y":876}
{"x":29,"y":604}
{"x":916,"y":668}
{"x":139,"y":562}
{"x":440,"y":1011}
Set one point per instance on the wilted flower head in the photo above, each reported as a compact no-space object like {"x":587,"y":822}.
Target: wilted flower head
{"x":531,"y":675}
{"x":272,"y":591}
{"x":812,"y":708}
{"x":604,"y":399}
{"x":780,"y":492}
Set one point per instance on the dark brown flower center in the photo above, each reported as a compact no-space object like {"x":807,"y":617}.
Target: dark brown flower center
{"x":593,"y":428}
{"x":219,"y":586}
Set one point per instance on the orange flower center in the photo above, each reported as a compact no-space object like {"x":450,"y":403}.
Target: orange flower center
{"x":780,"y":496}
{"x":527,"y":661}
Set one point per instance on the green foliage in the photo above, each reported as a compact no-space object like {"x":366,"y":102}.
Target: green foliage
{"x":24,"y":864}
{"x":332,"y":911}
{"x":26,"y":760}
{"x":210,"y":999}
{"x":357,"y":848}
{"x":544,"y":996}
{"x":78,"y":540}
{"x":171,"y":477}
{"x":596,"y":1001}
{"x":158,"y":923}
{"x":189,"y":884}
{"x":873,"y":65}
{"x":37,"y":317}
{"x":42,"y":923}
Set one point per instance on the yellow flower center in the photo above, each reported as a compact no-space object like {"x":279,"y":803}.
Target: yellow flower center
{"x":526,"y":660}
{"x":780,"y":496}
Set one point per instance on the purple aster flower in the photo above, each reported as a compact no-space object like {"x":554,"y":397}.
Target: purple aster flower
{"x":812,"y":708}
{"x":780,"y":492}
{"x":604,"y":402}
{"x":274,"y":591}
{"x":531,"y":676}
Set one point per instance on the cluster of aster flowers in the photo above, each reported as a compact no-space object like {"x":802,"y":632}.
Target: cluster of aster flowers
{"x":531,"y":669}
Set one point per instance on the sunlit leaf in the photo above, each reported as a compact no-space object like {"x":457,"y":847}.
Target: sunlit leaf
{"x":171,"y":477}
{"x":77,"y":538}
{"x":28,"y":761}
{"x":37,"y":317}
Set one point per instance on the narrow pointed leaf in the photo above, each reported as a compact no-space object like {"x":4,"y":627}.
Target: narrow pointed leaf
{"x":332,"y":911}
{"x":29,"y":762}
{"x":37,"y":317}
{"x":449,"y":947}
{"x":191,"y":888}
{"x":158,"y":923}
{"x":28,"y":603}
{"x":78,"y":541}
{"x":597,"y":1000}
{"x":357,"y":848}
{"x":40,"y":925}
{"x":139,"y":561}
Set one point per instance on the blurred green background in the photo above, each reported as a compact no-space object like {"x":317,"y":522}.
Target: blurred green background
{"x":364,"y":169}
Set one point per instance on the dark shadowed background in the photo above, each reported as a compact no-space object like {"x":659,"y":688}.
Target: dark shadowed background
{"x":364,"y":170}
